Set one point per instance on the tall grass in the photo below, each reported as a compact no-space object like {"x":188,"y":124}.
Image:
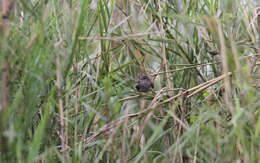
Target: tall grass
{"x":69,"y":70}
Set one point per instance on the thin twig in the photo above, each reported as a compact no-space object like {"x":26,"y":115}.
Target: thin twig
{"x":129,"y":98}
{"x":121,"y":38}
{"x":184,"y":68}
{"x":214,"y":81}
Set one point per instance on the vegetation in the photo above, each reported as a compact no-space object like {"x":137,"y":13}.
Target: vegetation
{"x":69,"y":70}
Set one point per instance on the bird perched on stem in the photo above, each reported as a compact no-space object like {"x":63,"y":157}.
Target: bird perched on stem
{"x":144,"y":83}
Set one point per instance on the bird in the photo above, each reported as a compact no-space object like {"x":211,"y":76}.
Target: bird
{"x":144,"y":83}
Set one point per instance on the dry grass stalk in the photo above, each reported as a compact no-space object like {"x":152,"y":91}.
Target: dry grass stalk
{"x":5,"y":88}
{"x":227,"y":84}
{"x":63,"y":136}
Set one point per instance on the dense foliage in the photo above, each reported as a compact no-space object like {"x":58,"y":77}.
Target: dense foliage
{"x":69,"y":70}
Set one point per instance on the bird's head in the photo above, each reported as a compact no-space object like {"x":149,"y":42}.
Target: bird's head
{"x":142,"y":76}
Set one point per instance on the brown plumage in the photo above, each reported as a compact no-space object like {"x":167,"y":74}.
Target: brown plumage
{"x":144,"y":83}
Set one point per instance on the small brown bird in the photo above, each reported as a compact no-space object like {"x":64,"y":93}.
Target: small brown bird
{"x":144,"y":83}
